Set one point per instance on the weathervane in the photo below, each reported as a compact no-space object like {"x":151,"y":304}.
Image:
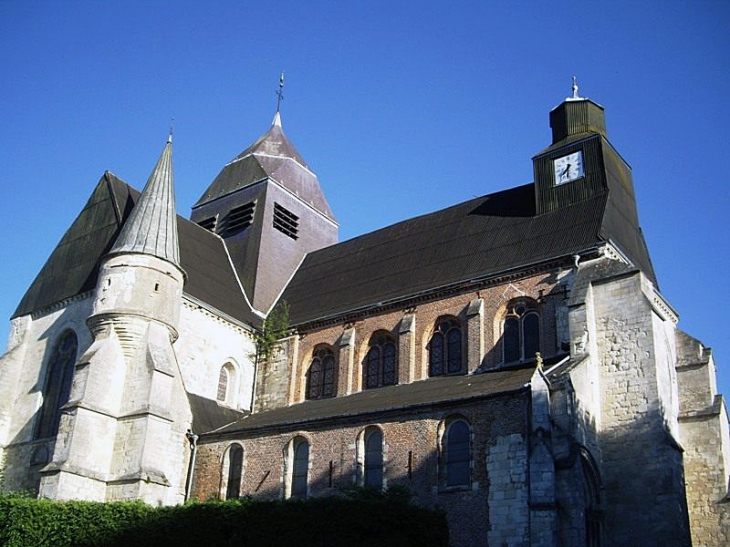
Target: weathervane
{"x":575,"y":89}
{"x":280,"y":92}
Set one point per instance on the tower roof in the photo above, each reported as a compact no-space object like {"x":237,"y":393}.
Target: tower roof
{"x":151,"y":228}
{"x":274,"y":157}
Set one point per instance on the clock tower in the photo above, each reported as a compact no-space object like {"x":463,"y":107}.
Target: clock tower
{"x":581,"y":165}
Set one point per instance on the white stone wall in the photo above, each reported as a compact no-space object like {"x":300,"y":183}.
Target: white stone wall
{"x":23,"y":370}
{"x":507,"y":469}
{"x":206,"y":343}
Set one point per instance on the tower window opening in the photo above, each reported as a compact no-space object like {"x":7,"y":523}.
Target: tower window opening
{"x":237,"y":219}
{"x":286,"y":222}
{"x":208,"y":223}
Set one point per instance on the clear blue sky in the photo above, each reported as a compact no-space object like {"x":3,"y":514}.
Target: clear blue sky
{"x":401,"y":108}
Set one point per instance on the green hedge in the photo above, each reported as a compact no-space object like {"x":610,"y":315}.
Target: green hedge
{"x":352,"y":522}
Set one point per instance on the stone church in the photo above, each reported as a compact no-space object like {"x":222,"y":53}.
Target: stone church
{"x":509,"y":360}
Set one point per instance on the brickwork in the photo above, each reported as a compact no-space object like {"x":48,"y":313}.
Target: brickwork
{"x":411,"y":459}
{"x":481,"y":320}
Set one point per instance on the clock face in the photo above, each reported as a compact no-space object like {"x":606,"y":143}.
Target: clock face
{"x":568,"y":168}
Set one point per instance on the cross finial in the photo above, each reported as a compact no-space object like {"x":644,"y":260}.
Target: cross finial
{"x":280,"y":92}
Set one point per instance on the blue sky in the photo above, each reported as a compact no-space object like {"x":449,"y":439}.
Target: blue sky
{"x":401,"y":108}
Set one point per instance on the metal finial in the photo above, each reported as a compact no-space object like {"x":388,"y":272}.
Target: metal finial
{"x":280,"y":92}
{"x":172,"y":127}
{"x":575,"y":88}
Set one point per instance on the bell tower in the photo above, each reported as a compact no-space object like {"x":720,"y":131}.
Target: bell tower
{"x":269,"y":208}
{"x":580,"y":166}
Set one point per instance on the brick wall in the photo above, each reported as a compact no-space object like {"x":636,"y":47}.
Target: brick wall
{"x":411,"y":459}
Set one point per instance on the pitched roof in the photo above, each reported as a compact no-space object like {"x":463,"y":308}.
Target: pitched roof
{"x":272,"y":156}
{"x":151,"y":228}
{"x":431,"y":392}
{"x":471,"y":240}
{"x":477,"y":239}
{"x":72,"y":267}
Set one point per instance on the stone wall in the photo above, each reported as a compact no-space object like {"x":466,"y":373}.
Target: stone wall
{"x":703,"y":425}
{"x":642,"y":461}
{"x":476,"y":514}
{"x":23,"y":371}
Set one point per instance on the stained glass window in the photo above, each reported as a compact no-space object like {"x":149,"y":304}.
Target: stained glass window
{"x":373,"y":458}
{"x":321,"y":374}
{"x":458,"y":453}
{"x":444,"y":356}
{"x":57,"y":389}
{"x":381,"y":362}
{"x":521,"y":332}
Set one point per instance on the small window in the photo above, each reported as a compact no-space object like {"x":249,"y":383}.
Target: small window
{"x":457,"y":453}
{"x":286,"y":222}
{"x":444,"y":349}
{"x":226,"y":384}
{"x":521,"y":332}
{"x":373,"y":464}
{"x":321,"y":374}
{"x":235,"y":471}
{"x":298,"y":465}
{"x":208,"y":223}
{"x":381,"y":362}
{"x":57,"y":388}
{"x":237,"y":219}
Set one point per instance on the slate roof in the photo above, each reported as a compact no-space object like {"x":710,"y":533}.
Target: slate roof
{"x":424,"y":393}
{"x":208,"y":415}
{"x":476,"y":239}
{"x":272,"y":156}
{"x":73,"y":265}
{"x":151,"y":227}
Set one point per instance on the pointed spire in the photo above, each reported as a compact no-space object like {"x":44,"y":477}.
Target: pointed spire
{"x":277,"y":120}
{"x":152,"y":225}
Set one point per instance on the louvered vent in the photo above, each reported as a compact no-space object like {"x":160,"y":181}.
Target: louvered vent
{"x":237,"y":219}
{"x":208,"y":223}
{"x":286,"y":221}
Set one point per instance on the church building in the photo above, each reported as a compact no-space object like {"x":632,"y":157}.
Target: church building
{"x":508,"y":360}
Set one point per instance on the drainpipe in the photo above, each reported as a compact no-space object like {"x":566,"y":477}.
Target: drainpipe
{"x":193,"y":440}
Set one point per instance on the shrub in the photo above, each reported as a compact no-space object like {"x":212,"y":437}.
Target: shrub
{"x":361,"y":519}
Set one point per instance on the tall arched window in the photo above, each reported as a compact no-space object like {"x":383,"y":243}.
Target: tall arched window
{"x":444,"y":349}
{"x":371,"y":446}
{"x":226,"y":384}
{"x":299,"y":467}
{"x":521,"y":331}
{"x":381,"y":361}
{"x":235,"y":471}
{"x":321,"y":374}
{"x":456,"y":451}
{"x":57,"y":388}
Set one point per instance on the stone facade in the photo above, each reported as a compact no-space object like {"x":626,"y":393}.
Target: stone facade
{"x":544,"y":400}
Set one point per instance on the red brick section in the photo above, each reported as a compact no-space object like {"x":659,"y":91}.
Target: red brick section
{"x":411,"y":457}
{"x":543,"y":288}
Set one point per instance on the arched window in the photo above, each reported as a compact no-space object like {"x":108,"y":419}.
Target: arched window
{"x":444,"y":349}
{"x":226,"y":384}
{"x":370,"y":457}
{"x":296,"y":467}
{"x":321,"y":374}
{"x":521,"y":331}
{"x":235,"y":471}
{"x":381,"y":361}
{"x":592,"y":500}
{"x":456,"y":449}
{"x":57,"y":388}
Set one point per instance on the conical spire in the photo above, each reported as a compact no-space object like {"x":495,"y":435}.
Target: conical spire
{"x":152,"y":225}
